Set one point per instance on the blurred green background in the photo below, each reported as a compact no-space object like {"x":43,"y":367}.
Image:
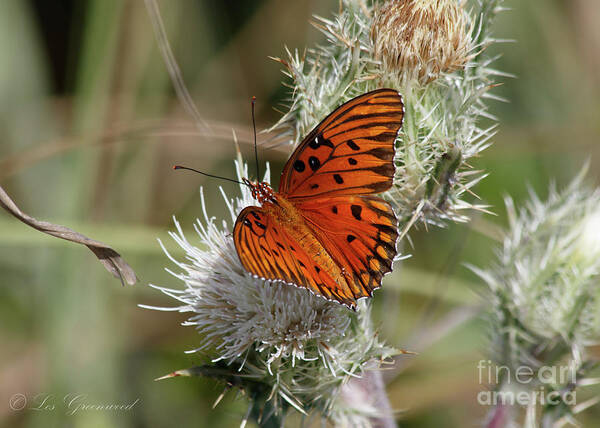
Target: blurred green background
{"x":90,"y":127}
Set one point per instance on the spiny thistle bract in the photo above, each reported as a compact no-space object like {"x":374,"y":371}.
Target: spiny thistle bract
{"x":545,"y":290}
{"x":282,"y":345}
{"x":434,"y":53}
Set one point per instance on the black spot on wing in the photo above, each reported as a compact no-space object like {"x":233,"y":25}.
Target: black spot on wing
{"x":299,"y":166}
{"x":356,"y":211}
{"x":338,"y":178}
{"x":314,"y":163}
{"x":320,"y":141}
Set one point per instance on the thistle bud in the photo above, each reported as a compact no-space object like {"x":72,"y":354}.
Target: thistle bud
{"x":418,"y":40}
{"x":544,"y":302}
{"x":549,"y":268}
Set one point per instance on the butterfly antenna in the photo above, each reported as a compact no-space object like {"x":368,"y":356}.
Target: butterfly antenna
{"x":255,"y":148}
{"x":208,"y":175}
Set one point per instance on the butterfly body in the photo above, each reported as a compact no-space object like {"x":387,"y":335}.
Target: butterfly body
{"x":324,"y":229}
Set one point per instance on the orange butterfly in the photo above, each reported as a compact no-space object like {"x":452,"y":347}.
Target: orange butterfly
{"x":324,"y":230}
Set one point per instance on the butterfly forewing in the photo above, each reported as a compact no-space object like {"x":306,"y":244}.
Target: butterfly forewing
{"x":350,"y":153}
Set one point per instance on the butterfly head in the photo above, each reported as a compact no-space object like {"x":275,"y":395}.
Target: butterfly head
{"x":262,"y":192}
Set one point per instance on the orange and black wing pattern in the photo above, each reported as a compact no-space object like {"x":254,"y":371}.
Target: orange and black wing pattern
{"x":350,"y":152}
{"x":268,"y":251}
{"x":334,"y":236}
{"x":360,"y":233}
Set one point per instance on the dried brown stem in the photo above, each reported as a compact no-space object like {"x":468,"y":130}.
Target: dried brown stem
{"x":111,"y":260}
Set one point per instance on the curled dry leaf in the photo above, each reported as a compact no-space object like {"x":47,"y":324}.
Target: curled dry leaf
{"x":111,"y":260}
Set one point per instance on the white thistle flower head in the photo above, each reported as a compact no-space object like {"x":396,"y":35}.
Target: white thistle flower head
{"x":234,"y":310}
{"x":418,"y":40}
{"x":296,"y":346}
{"x":545,"y":284}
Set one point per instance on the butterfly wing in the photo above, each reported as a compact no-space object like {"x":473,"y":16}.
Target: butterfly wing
{"x":350,"y":152}
{"x":267,"y":250}
{"x":359,"y":232}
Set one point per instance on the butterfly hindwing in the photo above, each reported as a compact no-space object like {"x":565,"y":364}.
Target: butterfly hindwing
{"x":267,"y":250}
{"x":359,"y":232}
{"x":350,"y":152}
